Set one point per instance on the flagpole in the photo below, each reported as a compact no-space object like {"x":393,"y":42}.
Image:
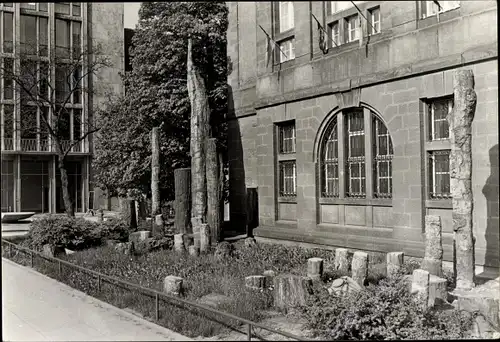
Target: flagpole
{"x":322,"y":29}
{"x":269,"y":37}
{"x":361,"y":14}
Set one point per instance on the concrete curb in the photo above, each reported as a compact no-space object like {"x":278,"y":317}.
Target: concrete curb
{"x":97,"y":302}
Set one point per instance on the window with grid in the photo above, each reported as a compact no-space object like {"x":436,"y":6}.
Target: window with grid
{"x":356,"y":183}
{"x":34,"y":32}
{"x":334,"y":34}
{"x":286,"y":16}
{"x":330,"y":163}
{"x":430,"y":8}
{"x":374,"y":18}
{"x":337,"y":6}
{"x":63,"y":38}
{"x":8,"y":32}
{"x":287,"y":138}
{"x":438,"y":110}
{"x":287,"y":48}
{"x":439,"y":172}
{"x":8,"y":82}
{"x":288,"y":186}
{"x":382,"y":163}
{"x":352,"y":28}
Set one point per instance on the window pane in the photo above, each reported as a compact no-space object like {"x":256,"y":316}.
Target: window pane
{"x":28,"y":5}
{"x":28,"y":122}
{"x":44,"y":80}
{"x":8,"y":121}
{"x":76,"y":9}
{"x":439,"y":174}
{"x":28,"y":34}
{"x":77,"y":79}
{"x":287,"y":178}
{"x":62,"y":84}
{"x":62,"y":7}
{"x":62,"y":38}
{"x":8,"y":93}
{"x":334,"y":33}
{"x":8,"y":30}
{"x":338,"y":6}
{"x":77,"y":33}
{"x":28,"y":80}
{"x":374,"y":17}
{"x":42,"y":6}
{"x":286,"y":15}
{"x":287,"y":138}
{"x":43,"y":35}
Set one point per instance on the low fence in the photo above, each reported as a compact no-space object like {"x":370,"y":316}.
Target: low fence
{"x":157,"y":295}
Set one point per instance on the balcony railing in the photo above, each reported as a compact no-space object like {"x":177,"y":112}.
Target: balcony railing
{"x":35,"y":145}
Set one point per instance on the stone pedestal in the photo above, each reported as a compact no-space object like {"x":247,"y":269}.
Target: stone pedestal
{"x":420,"y":286}
{"x":433,"y":257}
{"x":315,"y":268}
{"x":342,"y":263}
{"x":172,"y":285}
{"x":179,"y":242}
{"x":359,"y":267}
{"x":255,"y":282}
{"x":395,"y":261}
{"x":139,"y":236}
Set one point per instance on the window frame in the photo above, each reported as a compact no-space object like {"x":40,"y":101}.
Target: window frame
{"x":340,"y":120}
{"x":373,"y":22}
{"x":289,"y":15}
{"x":283,"y":159}
{"x":348,"y":28}
{"x":290,"y":51}
{"x":429,"y":9}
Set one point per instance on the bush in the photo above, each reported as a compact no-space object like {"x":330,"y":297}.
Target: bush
{"x":73,"y":233}
{"x":383,"y":311}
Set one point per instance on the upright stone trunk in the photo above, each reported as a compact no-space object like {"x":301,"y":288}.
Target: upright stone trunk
{"x":182,"y":203}
{"x":199,"y":134}
{"x":460,"y":122}
{"x":155,"y":172}
{"x":68,"y":204}
{"x":213,"y":191}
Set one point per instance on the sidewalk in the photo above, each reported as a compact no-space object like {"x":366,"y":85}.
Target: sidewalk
{"x":38,"y":308}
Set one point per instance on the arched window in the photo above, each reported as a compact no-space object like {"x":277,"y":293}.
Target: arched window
{"x":363,"y":156}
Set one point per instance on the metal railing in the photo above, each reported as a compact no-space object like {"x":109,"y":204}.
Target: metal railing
{"x":157,"y":295}
{"x":8,"y":144}
{"x":42,"y":145}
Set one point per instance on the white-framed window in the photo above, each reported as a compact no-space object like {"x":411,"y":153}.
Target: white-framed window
{"x":7,"y":31}
{"x":334,"y":34}
{"x":439,"y":174}
{"x":382,"y":164}
{"x":287,"y":50}
{"x":288,"y":178}
{"x":374,"y":18}
{"x":287,"y":138}
{"x":352,"y":28}
{"x":286,"y":16}
{"x":62,"y":8}
{"x":439,"y":128}
{"x":351,"y":136}
{"x":430,"y":8}
{"x":337,"y":6}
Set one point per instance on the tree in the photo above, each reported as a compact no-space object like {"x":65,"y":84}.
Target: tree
{"x":157,"y":95}
{"x":47,"y":92}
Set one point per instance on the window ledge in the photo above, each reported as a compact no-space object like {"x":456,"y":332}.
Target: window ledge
{"x":379,"y":202}
{"x":287,"y":156}
{"x":291,"y":200}
{"x":285,"y":35}
{"x":439,"y":204}
{"x":443,"y":16}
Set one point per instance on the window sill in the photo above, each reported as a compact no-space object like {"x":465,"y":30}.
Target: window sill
{"x":438,"y":145}
{"x":290,"y":200}
{"x":286,"y":157}
{"x":386,"y":202}
{"x":443,"y":16}
{"x":439,"y":204}
{"x":285,"y":35}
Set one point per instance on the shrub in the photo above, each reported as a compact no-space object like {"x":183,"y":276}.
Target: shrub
{"x":113,"y":229}
{"x":383,"y":311}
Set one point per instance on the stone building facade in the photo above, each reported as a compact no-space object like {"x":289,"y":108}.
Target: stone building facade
{"x":30,"y":176}
{"x":348,"y":146}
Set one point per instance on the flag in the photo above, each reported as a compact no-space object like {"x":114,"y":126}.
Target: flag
{"x":360,"y":32}
{"x":269,"y":49}
{"x":322,"y":41}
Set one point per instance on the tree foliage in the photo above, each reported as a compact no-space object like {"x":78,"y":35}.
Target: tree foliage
{"x":156,"y":95}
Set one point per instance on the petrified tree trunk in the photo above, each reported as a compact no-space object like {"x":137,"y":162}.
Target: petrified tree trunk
{"x":213,"y":191}
{"x":68,"y":204}
{"x":182,"y":204}
{"x":291,"y":291}
{"x":155,"y":172}
{"x":460,"y":122}
{"x":199,"y":134}
{"x":433,"y":257}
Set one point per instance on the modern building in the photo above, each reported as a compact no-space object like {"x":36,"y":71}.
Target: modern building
{"x":343,"y":132}
{"x":30,"y":176}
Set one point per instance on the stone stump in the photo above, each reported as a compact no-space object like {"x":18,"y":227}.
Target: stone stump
{"x":438,"y":290}
{"x":255,"y":282}
{"x":343,"y":286}
{"x":420,"y":286}
{"x":359,"y":267}
{"x":159,"y":220}
{"x":315,"y":268}
{"x":172,"y":285}
{"x":291,"y":291}
{"x":139,"y":236}
{"x":433,"y":257}
{"x":204,"y":237}
{"x":52,"y":251}
{"x":341,"y":262}
{"x":125,"y":247}
{"x":269,"y":275}
{"x":179,"y":242}
{"x":100,"y":215}
{"x":395,"y":261}
{"x":194,"y":250}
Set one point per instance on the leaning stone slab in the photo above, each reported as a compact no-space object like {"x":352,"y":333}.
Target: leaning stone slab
{"x":438,"y":291}
{"x":159,"y":220}
{"x":395,"y":261}
{"x":433,"y":257}
{"x":291,"y":291}
{"x":420,"y":286}
{"x":172,"y":285}
{"x":342,"y":262}
{"x":179,"y":242}
{"x":125,"y":247}
{"x":215,"y":300}
{"x":269,"y":275}
{"x":359,"y":267}
{"x":315,"y":268}
{"x":343,"y":286}
{"x":194,"y":250}
{"x":139,"y":236}
{"x":255,"y":282}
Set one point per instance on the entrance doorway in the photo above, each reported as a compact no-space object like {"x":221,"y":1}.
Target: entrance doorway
{"x":35,"y":185}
